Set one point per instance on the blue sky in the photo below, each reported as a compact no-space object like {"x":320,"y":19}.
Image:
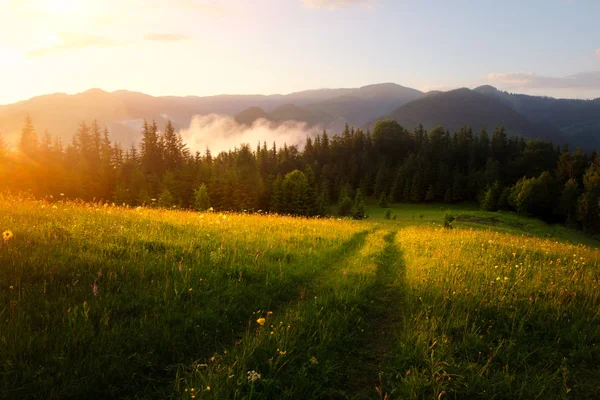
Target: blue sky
{"x":203,"y":47}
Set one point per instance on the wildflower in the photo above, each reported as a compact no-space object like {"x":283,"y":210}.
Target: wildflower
{"x":208,"y":388}
{"x":95,"y":289}
{"x":313,"y":360}
{"x":253,"y":376}
{"x":506,"y":278}
{"x":269,"y":313}
{"x":345,"y":272}
{"x":261,"y":321}
{"x":7,"y":235}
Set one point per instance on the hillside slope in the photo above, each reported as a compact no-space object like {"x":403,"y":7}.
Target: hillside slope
{"x":463,"y":106}
{"x":579,"y":120}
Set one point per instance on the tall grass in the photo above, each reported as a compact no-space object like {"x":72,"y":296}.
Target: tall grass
{"x":101,"y":301}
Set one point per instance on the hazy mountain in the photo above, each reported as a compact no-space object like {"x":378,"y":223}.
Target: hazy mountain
{"x":123,"y":112}
{"x":251,"y":114}
{"x":463,"y":106}
{"x":579,"y":120}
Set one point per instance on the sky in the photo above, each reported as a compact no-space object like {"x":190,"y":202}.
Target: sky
{"x":206,"y":47}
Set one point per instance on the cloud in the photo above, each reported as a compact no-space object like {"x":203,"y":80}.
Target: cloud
{"x":585,"y":80}
{"x":166,"y":37}
{"x":69,"y":41}
{"x":333,"y":4}
{"x":598,"y":53}
{"x":222,"y":133}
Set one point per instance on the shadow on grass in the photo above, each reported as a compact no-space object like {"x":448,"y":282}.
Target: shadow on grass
{"x":63,"y":341}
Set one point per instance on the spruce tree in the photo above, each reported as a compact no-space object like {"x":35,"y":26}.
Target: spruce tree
{"x":358,"y":209}
{"x":201,"y":198}
{"x":383,"y":200}
{"x":28,"y":141}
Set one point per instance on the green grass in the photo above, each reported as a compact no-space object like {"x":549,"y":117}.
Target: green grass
{"x":106,"y":302}
{"x":473,"y":217}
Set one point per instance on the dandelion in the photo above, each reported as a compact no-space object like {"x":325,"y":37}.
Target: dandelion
{"x":253,"y":376}
{"x":208,"y":388}
{"x":261,"y":321}
{"x":313,"y":360}
{"x":7,"y":235}
{"x":269,"y":313}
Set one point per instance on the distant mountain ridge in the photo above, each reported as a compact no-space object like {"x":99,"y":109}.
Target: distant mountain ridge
{"x":451,"y":109}
{"x":122,"y":112}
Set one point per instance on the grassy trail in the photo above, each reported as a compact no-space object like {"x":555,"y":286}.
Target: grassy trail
{"x":384,"y":305}
{"x":110,"y":302}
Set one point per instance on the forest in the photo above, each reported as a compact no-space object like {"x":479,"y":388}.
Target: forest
{"x":328,"y":175}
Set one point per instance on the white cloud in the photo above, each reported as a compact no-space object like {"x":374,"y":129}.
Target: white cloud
{"x":585,"y":80}
{"x":333,"y":4}
{"x":69,"y":41}
{"x":223,"y":133}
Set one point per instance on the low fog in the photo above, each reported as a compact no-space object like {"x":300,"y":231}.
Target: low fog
{"x":223,"y":133}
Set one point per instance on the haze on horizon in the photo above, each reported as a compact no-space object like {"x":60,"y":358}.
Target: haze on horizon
{"x":203,"y":47}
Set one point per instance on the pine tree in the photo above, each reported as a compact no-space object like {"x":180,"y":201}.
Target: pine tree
{"x":28,"y":141}
{"x":345,"y":203}
{"x":294,"y":188}
{"x":276,"y":202}
{"x":358,"y":209}
{"x":568,"y":202}
{"x":489,"y":202}
{"x":383,"y":200}
{"x":201,"y":198}
{"x":430,"y":195}
{"x":312,"y":205}
{"x":417,"y":192}
{"x":448,"y":196}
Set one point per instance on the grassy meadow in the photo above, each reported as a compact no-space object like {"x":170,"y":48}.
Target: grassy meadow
{"x":99,"y":301}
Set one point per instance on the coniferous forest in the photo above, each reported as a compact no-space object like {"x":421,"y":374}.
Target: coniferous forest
{"x":328,"y":175}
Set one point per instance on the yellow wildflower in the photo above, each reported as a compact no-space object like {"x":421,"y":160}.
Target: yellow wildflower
{"x":260,"y":321}
{"x":7,"y":235}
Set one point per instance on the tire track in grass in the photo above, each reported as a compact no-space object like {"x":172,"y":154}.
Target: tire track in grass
{"x":295,"y":299}
{"x":383,"y":300}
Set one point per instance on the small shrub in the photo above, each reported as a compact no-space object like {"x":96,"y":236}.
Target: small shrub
{"x":448,"y":219}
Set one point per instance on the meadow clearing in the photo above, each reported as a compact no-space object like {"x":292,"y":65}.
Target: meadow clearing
{"x":99,"y":301}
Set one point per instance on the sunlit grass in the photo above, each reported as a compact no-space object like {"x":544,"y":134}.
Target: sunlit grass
{"x":104,"y":301}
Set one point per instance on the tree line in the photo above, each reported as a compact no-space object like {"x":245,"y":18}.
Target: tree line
{"x":328,"y":175}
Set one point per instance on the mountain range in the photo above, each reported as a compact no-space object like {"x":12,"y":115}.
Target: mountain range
{"x":122,"y":112}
